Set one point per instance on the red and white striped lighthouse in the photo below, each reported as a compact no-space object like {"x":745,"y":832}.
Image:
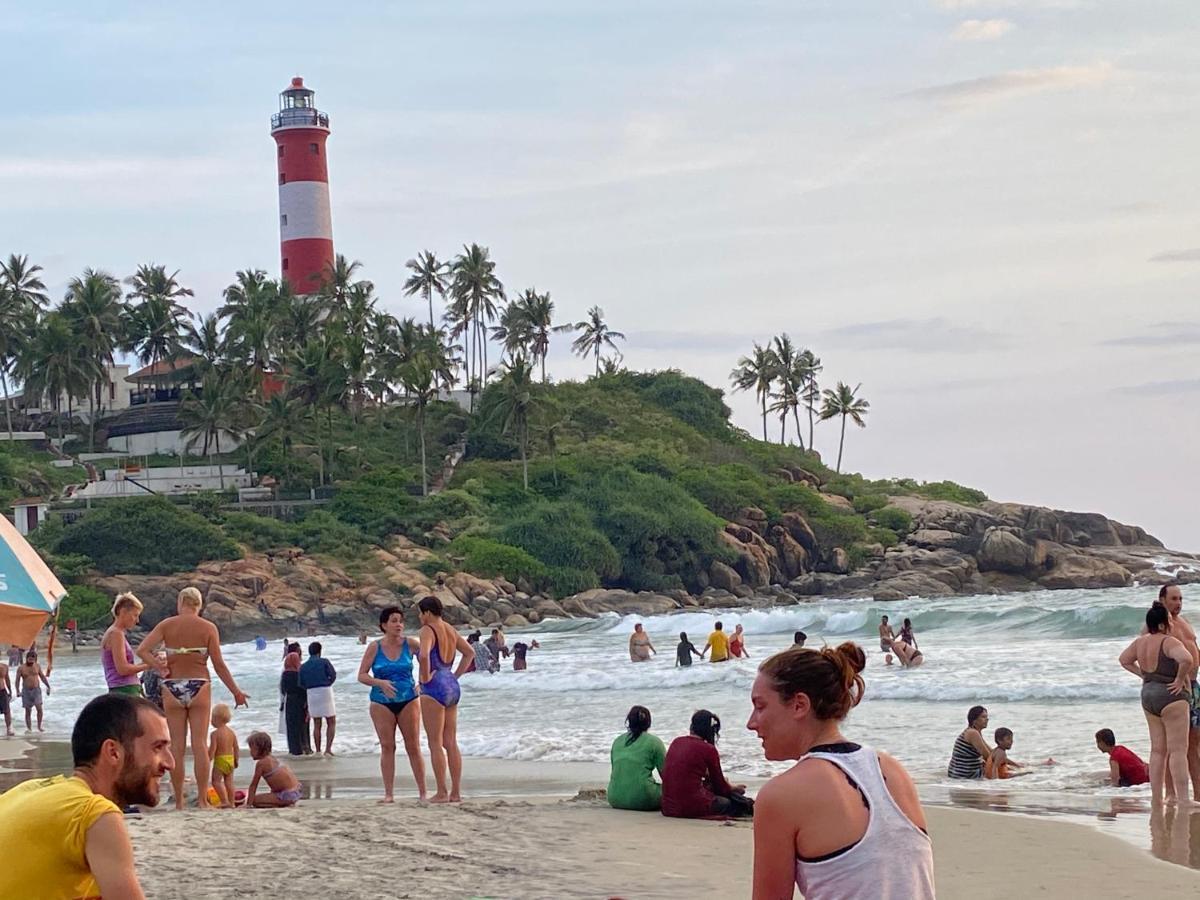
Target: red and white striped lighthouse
{"x":305,"y":227}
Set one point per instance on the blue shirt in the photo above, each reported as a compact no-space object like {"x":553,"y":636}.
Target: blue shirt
{"x":317,"y":672}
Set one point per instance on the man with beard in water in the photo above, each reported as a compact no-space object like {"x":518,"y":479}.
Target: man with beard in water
{"x":69,"y":831}
{"x":1170,"y":595}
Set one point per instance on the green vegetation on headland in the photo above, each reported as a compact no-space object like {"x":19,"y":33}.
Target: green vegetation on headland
{"x":625,"y":480}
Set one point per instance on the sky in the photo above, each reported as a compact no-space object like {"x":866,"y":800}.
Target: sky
{"x":984,"y":211}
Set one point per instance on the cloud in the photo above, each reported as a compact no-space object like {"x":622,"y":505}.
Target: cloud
{"x":1162,"y":388}
{"x":963,"y":5}
{"x":1160,"y":334}
{"x":700,"y":341}
{"x":1017,"y":83}
{"x":937,"y":335}
{"x":982,"y":29}
{"x":1192,"y":254}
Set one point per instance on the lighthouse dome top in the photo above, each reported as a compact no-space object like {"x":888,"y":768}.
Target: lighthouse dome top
{"x":297,"y":108}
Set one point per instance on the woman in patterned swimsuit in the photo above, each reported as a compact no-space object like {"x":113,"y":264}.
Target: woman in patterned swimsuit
{"x":187,"y":688}
{"x":439,"y":695}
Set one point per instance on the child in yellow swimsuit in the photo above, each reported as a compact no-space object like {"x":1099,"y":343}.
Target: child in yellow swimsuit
{"x":223,"y":751}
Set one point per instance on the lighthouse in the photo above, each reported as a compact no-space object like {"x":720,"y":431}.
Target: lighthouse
{"x":305,"y":227}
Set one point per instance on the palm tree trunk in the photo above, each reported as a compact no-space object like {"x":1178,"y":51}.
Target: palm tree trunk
{"x":764,"y":417}
{"x":841,"y":444}
{"x":810,"y":419}
{"x":597,"y":355}
{"x":783,"y":429}
{"x":421,"y":432}
{"x":91,"y":422}
{"x":796,"y":420}
{"x":525,"y":458}
{"x":429,"y":300}
{"x":7,"y":405}
{"x":221,"y":466}
{"x":543,"y":376}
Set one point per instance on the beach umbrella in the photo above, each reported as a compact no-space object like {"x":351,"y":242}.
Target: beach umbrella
{"x":29,"y":591}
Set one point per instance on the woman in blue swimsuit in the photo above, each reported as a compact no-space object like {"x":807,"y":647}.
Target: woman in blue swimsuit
{"x":387,"y":668}
{"x":440,"y":693}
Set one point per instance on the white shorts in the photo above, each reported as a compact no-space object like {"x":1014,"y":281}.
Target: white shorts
{"x":320,"y":703}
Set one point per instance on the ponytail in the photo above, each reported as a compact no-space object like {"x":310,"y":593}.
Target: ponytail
{"x":830,"y":677}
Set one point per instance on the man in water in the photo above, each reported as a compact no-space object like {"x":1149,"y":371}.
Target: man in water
{"x":497,"y":645}
{"x":799,"y":638}
{"x":684,"y":651}
{"x":886,"y":635}
{"x":1170,"y":595}
{"x":317,"y":676}
{"x":70,"y":830}
{"x":718,"y":643}
{"x":28,"y":677}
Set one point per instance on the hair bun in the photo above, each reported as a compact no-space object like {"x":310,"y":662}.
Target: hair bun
{"x":853,"y":654}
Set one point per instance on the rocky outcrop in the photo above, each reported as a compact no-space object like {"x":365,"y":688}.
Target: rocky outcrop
{"x":952,"y":550}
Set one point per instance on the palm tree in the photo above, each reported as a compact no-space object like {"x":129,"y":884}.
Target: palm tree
{"x":421,"y":385}
{"x":152,"y":329}
{"x":337,"y":280}
{"x":22,"y":296}
{"x":204,"y":344}
{"x":94,"y":309}
{"x":282,"y":417}
{"x":790,"y":386}
{"x":513,"y":401}
{"x":594,"y":336}
{"x":844,"y":402}
{"x":428,"y":275}
{"x":808,"y":366}
{"x":298,"y":320}
{"x":209,"y":415}
{"x":53,"y":364}
{"x":513,"y":332}
{"x":476,"y":290}
{"x":251,"y":304}
{"x":316,"y":377}
{"x":22,"y":278}
{"x":757,"y":372}
{"x":538,"y":310}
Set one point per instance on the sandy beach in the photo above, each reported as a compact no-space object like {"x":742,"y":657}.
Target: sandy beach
{"x":546,"y":848}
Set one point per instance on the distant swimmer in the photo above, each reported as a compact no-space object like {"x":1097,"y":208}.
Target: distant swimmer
{"x":640,"y":647}
{"x":906,"y":633}
{"x":910,"y":657}
{"x":519,"y":651}
{"x":799,"y":638}
{"x":718,"y":642}
{"x":1125,"y":768}
{"x":737,"y":644}
{"x":886,"y":635}
{"x":685,"y":651}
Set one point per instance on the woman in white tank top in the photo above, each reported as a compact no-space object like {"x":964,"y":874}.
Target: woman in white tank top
{"x":844,"y":821}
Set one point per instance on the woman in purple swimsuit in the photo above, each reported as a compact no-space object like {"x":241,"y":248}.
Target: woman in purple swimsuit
{"x":439,"y":695}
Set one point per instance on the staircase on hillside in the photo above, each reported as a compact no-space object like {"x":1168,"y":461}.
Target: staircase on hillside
{"x":449,"y":464}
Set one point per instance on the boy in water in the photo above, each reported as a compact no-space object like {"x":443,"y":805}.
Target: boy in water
{"x":1125,"y":768}
{"x":886,"y":635}
{"x":223,"y":751}
{"x":28,"y":676}
{"x":998,"y":763}
{"x":285,"y":787}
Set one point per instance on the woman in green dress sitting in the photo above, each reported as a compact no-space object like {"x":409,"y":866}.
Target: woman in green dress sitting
{"x":636,"y":755}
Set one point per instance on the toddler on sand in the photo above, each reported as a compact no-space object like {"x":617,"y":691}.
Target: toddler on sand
{"x":285,"y":787}
{"x":223,"y":751}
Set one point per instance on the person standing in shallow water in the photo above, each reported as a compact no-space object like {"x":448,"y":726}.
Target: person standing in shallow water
{"x":1170,"y":595}
{"x":844,"y":821}
{"x":640,"y":647}
{"x":684,"y":652}
{"x":387,"y":669}
{"x":116,"y":656}
{"x":440,"y":693}
{"x":886,"y":635}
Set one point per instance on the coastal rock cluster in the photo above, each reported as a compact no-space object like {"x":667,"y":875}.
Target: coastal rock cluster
{"x":952,"y":550}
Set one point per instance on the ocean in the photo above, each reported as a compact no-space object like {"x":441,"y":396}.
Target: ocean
{"x":1043,"y":663}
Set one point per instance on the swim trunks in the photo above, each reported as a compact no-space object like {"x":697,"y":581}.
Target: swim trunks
{"x":223,"y":763}
{"x":1195,"y":704}
{"x":131,"y":690}
{"x":31,"y":697}
{"x":4,"y":700}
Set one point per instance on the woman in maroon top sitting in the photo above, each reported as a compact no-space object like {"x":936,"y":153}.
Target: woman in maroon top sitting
{"x":693,"y":785}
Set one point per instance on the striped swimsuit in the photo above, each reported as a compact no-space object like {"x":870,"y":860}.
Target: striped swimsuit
{"x":965,"y":761}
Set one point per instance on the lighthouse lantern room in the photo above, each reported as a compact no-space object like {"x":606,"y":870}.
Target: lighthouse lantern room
{"x":305,"y":227}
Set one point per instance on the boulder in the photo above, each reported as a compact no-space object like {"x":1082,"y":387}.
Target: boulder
{"x":516,"y":621}
{"x":837,"y":501}
{"x":1003,"y":550}
{"x":797,"y":526}
{"x":549,"y":609}
{"x":753,"y":518}
{"x":756,"y":559}
{"x":793,"y":559}
{"x":1079,"y":571}
{"x":839,"y":561}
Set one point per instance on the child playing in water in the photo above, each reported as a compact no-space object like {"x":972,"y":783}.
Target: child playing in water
{"x":285,"y":787}
{"x":1125,"y":768}
{"x":223,"y":751}
{"x":999,"y":764}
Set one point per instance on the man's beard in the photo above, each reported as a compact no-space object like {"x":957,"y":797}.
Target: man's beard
{"x":137,"y":786}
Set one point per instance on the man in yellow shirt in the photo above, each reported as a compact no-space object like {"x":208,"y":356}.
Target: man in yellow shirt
{"x":718,"y":642}
{"x":70,"y":829}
